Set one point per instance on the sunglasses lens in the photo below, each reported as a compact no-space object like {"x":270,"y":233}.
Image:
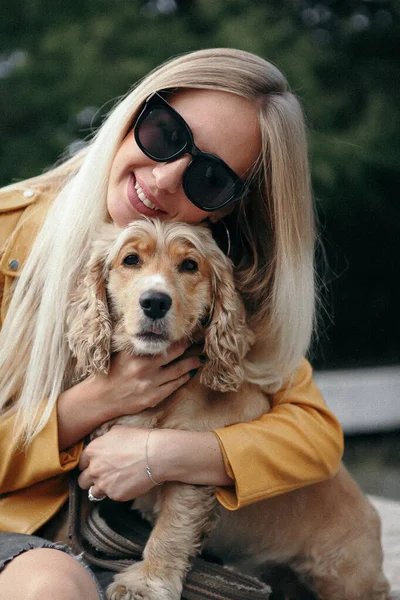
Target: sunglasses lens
{"x":160,"y":134}
{"x":209,"y":183}
{"x":163,"y":135}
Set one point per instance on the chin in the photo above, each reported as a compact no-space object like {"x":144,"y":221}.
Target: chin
{"x":150,"y":345}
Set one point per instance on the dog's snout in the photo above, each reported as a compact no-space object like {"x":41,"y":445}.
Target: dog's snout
{"x":155,"y":304}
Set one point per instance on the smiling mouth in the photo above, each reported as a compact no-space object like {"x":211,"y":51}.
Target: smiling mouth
{"x":143,"y":198}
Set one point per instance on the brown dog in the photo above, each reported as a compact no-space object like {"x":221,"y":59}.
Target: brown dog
{"x":155,"y":283}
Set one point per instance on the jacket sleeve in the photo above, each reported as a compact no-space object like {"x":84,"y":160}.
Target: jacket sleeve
{"x":297,"y":443}
{"x":41,"y":461}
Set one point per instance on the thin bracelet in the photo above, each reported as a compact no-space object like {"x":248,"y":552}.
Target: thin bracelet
{"x":147,"y":461}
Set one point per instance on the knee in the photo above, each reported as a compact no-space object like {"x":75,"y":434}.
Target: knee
{"x":45,"y":574}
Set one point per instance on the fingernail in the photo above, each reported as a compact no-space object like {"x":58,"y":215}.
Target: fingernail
{"x":202,"y":358}
{"x":193,"y":372}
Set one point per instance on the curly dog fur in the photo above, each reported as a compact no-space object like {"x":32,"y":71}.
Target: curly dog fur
{"x":154,"y":283}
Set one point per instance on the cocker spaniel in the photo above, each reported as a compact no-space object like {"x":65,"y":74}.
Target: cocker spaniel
{"x":154,"y":283}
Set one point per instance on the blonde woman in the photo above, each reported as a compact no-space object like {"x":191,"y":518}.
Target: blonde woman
{"x":236,"y":107}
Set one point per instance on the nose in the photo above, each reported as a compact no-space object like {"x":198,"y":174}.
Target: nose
{"x":155,"y":304}
{"x":168,"y":175}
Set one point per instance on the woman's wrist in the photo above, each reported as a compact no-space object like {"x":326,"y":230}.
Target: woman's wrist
{"x":189,"y":456}
{"x":81,"y":409}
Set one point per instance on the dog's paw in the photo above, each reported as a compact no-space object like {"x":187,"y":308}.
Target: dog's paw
{"x":121,"y":592}
{"x":133,"y":585}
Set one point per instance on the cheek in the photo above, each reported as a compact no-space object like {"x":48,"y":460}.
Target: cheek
{"x":128,"y":156}
{"x":196,"y":297}
{"x":189,"y":213}
{"x":122,"y":291}
{"x":117,"y":163}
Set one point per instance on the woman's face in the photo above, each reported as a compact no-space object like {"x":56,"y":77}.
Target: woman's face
{"x":223,"y":124}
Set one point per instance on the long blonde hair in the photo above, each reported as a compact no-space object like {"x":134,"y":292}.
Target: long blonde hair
{"x":273,"y":231}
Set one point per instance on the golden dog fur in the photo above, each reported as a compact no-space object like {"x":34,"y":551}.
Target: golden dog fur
{"x":327,"y":532}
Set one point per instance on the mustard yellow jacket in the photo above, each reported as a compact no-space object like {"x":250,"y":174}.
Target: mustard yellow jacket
{"x":297,"y":443}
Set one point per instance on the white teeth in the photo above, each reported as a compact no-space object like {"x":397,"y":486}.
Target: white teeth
{"x":143,"y":198}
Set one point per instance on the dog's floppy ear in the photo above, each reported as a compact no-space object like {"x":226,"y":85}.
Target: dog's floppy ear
{"x":227,"y":338}
{"x":88,"y":317}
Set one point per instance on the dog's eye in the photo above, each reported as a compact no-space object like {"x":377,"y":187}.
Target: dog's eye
{"x":189,"y":265}
{"x":132,"y":260}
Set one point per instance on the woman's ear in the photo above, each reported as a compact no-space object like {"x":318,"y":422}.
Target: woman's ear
{"x":88,"y":318}
{"x":227,"y":338}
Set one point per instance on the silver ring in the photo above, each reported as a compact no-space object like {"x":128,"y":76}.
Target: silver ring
{"x":93,"y":498}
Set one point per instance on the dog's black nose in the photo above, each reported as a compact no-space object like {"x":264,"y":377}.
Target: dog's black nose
{"x":155,"y":304}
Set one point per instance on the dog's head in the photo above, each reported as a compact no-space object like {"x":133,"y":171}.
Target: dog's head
{"x":150,"y":285}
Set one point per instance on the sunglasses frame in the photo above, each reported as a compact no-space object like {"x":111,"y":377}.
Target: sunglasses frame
{"x":239,"y":187}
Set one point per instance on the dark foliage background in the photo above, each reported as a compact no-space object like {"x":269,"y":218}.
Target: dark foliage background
{"x":62,"y":62}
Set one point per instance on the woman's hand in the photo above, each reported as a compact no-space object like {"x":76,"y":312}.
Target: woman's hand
{"x":114,"y":464}
{"x":132,"y":384}
{"x":138,"y":382}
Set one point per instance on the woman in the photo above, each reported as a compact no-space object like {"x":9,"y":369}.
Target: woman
{"x":238,"y":109}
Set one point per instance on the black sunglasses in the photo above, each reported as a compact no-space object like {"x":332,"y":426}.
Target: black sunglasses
{"x":163,"y":135}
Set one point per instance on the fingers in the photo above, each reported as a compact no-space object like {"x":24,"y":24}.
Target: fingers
{"x":95,"y":491}
{"x":181,"y":367}
{"x":180,"y":358}
{"x":83,"y":461}
{"x":84,"y":480}
{"x":180,"y":372}
{"x":135,"y":383}
{"x":115,"y":464}
{"x":95,"y":495}
{"x":175,"y":352}
{"x":170,"y":387}
{"x":192,"y":350}
{"x":88,"y":478}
